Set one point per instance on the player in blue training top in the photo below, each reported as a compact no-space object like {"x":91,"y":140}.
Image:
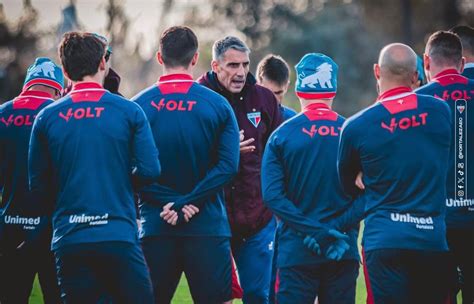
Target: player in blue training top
{"x":183,"y":216}
{"x":401,"y":145}
{"x":25,"y":233}
{"x":466,"y":34}
{"x":300,"y":185}
{"x":273,"y":73}
{"x":443,"y":64}
{"x":82,"y":152}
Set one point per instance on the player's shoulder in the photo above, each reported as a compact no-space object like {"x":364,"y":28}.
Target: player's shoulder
{"x":361,"y":118}
{"x":205,"y":93}
{"x":7,"y":106}
{"x":146,"y":94}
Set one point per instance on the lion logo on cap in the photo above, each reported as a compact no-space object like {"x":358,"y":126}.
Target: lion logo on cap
{"x":47,"y":68}
{"x":322,"y":76}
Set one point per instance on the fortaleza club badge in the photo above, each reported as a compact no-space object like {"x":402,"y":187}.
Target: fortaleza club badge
{"x":255,"y":118}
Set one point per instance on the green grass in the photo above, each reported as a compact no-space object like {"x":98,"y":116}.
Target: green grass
{"x":182,"y":295}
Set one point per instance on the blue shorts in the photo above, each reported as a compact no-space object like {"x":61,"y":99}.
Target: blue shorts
{"x":92,"y":272}
{"x":331,"y":282}
{"x":407,"y":276}
{"x":206,"y":262}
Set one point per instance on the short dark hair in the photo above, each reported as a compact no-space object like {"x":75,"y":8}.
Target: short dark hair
{"x":444,"y":48}
{"x":178,"y":44}
{"x":273,"y":68}
{"x":466,"y":34}
{"x":80,"y":54}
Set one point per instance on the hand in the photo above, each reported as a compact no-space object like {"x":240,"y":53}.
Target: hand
{"x":189,"y":211}
{"x":244,"y":144}
{"x":168,"y":215}
{"x":338,"y":248}
{"x":358,"y":181}
{"x":311,"y":244}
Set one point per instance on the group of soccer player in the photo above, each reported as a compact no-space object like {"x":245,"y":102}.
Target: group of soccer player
{"x":110,"y":200}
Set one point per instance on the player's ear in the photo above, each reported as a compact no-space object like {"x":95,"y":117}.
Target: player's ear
{"x":102,"y":64}
{"x":195,"y":59}
{"x":215,"y":66}
{"x":463,"y":62}
{"x":377,"y":71}
{"x":159,"y":58}
{"x":426,"y":64}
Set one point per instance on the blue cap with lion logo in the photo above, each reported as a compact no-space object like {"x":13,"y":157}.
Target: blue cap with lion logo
{"x":45,"y":72}
{"x":316,"y":77}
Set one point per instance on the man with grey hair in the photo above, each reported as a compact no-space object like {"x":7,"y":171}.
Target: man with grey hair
{"x":256,"y":108}
{"x":401,"y":144}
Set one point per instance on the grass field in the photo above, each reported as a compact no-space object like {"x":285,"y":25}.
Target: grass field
{"x":182,"y":295}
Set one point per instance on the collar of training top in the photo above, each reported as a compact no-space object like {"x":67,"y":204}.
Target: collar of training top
{"x":86,"y":86}
{"x":36,"y":94}
{"x":175,"y":78}
{"x":394,"y":92}
{"x":450,"y":76}
{"x":316,"y":106}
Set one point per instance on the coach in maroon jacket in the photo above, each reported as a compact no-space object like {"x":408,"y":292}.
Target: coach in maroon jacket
{"x":256,"y":109}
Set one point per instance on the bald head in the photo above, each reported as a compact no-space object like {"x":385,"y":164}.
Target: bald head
{"x":397,"y":62}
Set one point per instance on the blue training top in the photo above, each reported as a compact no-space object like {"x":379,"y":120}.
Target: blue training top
{"x":300,"y":183}
{"x":196,"y":132}
{"x":401,"y":144}
{"x":22,"y":216}
{"x":458,"y":92}
{"x":287,"y":112}
{"x":81,"y":150}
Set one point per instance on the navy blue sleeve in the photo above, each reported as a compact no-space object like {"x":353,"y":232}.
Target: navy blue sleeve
{"x":145,"y":154}
{"x":348,"y":162}
{"x":225,"y":169}
{"x":39,"y":162}
{"x":274,"y":195}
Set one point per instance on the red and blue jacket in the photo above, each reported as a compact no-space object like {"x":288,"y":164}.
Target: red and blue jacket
{"x":402,"y":145}
{"x":458,"y":92}
{"x":196,"y":132}
{"x":300,"y":183}
{"x":83,"y":151}
{"x":21,"y":214}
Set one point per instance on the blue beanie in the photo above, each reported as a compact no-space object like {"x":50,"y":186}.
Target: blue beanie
{"x":316,"y":77}
{"x":45,"y":72}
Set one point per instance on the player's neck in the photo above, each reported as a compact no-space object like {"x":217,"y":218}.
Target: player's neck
{"x":97,"y":78}
{"x":306,"y":102}
{"x":177,"y":70}
{"x":435,"y":70}
{"x":42,"y":88}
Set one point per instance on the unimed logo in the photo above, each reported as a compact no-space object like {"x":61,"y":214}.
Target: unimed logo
{"x":27,"y":222}
{"x":421,"y":222}
{"x":91,"y":219}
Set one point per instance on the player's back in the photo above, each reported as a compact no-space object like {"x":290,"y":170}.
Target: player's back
{"x":307,"y":147}
{"x":458,"y":92}
{"x":403,"y":142}
{"x":19,"y":211}
{"x":92,"y":136}
{"x":187,"y":121}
